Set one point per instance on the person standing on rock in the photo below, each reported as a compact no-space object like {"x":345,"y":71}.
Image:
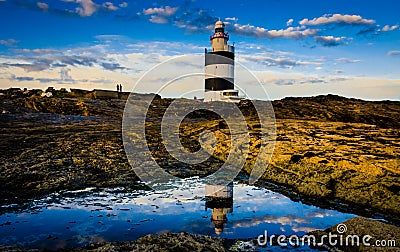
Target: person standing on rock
{"x":118,"y":88}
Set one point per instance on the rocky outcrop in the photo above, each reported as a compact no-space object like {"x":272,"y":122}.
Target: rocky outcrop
{"x":330,"y":150}
{"x":383,"y":236}
{"x":385,"y":114}
{"x":165,"y":242}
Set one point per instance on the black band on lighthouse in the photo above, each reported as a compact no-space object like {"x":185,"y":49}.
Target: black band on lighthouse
{"x":214,"y":58}
{"x":217,"y":84}
{"x":227,"y":54}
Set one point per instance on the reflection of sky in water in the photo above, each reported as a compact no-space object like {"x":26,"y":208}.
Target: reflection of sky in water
{"x":81,"y":217}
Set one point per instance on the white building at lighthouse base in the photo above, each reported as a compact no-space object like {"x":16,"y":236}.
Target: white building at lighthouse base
{"x":229,"y":95}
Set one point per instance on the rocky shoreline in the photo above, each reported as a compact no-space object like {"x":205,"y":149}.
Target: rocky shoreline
{"x":362,"y":227}
{"x":331,"y":151}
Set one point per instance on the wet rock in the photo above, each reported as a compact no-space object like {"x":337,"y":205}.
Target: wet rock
{"x":360,"y":227}
{"x":165,"y":242}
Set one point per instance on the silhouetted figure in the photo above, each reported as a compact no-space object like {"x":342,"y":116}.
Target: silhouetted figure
{"x":118,"y":88}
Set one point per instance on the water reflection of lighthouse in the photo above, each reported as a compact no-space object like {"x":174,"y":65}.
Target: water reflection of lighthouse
{"x":220,"y":199}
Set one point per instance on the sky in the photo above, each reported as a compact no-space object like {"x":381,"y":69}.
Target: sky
{"x":294,"y":48}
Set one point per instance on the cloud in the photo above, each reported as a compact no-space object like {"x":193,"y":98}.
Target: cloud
{"x":110,"y":37}
{"x":166,"y":11}
{"x":61,"y":80}
{"x":49,"y":80}
{"x":8,"y":42}
{"x":289,"y":22}
{"x":313,"y":81}
{"x":87,"y":8}
{"x":339,"y":79}
{"x":233,"y":19}
{"x":111,"y":66}
{"x":329,"y":40}
{"x":195,"y":20}
{"x":158,"y":19}
{"x":300,"y":81}
{"x":390,"y":28}
{"x":259,"y":32}
{"x":123,"y":5}
{"x":110,"y":6}
{"x":283,"y":82}
{"x":160,"y":15}
{"x":346,"y":60}
{"x":279,"y":62}
{"x":303,"y":63}
{"x":21,"y":78}
{"x":43,"y":62}
{"x":337,"y":18}
{"x":393,"y":53}
{"x":369,"y":31}
{"x":34,"y":67}
{"x":43,"y":6}
{"x":37,"y":51}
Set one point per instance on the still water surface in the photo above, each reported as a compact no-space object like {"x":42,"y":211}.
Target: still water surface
{"x":77,"y":218}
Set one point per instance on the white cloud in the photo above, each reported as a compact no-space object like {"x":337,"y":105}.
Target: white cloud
{"x":37,"y":51}
{"x":158,"y":19}
{"x":313,"y":63}
{"x":43,"y":6}
{"x":337,"y":18}
{"x":346,"y":60}
{"x":88,"y":8}
{"x":160,"y":15}
{"x":289,"y":22}
{"x":259,"y":32}
{"x":166,"y":11}
{"x":330,"y":40}
{"x":233,"y":19}
{"x":282,"y":62}
{"x":393,"y":53}
{"x":389,"y":28}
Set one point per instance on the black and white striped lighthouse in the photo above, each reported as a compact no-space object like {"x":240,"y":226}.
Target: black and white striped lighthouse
{"x":219,"y":68}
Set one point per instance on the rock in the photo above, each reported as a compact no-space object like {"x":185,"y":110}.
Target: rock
{"x":330,"y":149}
{"x":360,"y":227}
{"x":295,"y":158}
{"x":165,"y":242}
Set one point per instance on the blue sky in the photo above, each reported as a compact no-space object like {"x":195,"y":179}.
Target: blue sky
{"x":295,"y":48}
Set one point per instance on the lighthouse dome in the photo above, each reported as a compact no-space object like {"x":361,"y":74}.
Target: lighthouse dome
{"x":219,"y":24}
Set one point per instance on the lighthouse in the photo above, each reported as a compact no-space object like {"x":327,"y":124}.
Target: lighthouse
{"x":219,"y":68}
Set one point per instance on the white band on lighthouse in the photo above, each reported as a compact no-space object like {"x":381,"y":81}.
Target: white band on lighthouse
{"x":225,"y":71}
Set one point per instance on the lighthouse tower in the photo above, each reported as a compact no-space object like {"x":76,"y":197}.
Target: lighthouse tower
{"x":219,"y":68}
